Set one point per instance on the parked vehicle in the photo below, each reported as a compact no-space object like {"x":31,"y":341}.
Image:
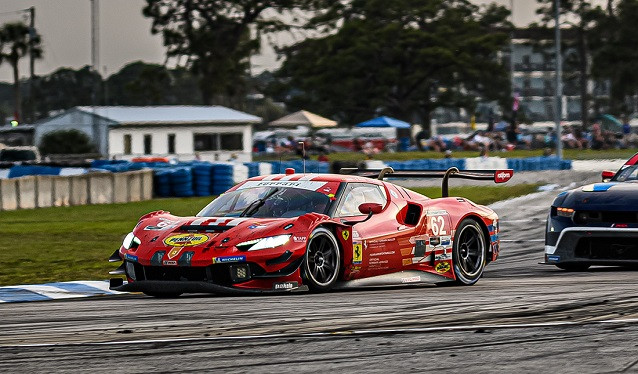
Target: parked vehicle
{"x":18,"y":154}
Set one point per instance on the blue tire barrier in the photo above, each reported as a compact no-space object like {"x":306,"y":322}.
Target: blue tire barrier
{"x":21,"y":171}
{"x":538,"y":163}
{"x":198,"y":178}
{"x":162,"y":182}
{"x":222,"y":178}
{"x":182,"y":182}
{"x":253,"y":169}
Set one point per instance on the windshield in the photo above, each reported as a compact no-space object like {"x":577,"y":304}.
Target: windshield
{"x":630,"y":173}
{"x":277,"y":203}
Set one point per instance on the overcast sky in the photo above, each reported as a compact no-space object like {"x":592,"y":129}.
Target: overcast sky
{"x":125,"y":36}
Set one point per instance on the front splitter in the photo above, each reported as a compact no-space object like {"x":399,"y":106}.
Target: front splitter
{"x":169,"y":287}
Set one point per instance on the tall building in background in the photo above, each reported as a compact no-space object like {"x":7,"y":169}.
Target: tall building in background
{"x":534,"y":71}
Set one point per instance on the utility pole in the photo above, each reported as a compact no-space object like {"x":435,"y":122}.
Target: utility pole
{"x":512,"y":48}
{"x":32,"y":42}
{"x":95,"y":63}
{"x":559,"y":80}
{"x":31,"y":62}
{"x":95,"y":37}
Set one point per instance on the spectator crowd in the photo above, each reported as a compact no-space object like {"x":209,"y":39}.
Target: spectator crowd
{"x":514,"y":136}
{"x":496,"y":138}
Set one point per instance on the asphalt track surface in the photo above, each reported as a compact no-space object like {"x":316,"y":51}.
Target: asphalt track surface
{"x":520,"y":317}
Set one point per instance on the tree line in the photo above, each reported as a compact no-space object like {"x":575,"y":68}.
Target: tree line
{"x":403,"y":58}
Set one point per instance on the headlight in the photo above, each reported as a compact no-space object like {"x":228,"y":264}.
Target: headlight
{"x":264,"y":243}
{"x":131,"y":241}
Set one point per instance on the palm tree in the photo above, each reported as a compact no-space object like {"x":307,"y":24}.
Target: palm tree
{"x":17,"y":40}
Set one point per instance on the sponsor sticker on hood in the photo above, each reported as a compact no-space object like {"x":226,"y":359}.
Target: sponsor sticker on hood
{"x":186,"y":240}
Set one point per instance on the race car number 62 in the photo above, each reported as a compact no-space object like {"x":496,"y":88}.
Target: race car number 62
{"x":438,"y":225}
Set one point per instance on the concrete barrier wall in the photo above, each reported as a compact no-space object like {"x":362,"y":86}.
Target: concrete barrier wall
{"x":9,"y":193}
{"x":101,"y":188}
{"x":79,"y":190}
{"x":27,"y":190}
{"x":45,"y":190}
{"x":94,"y":188}
{"x":61,"y":191}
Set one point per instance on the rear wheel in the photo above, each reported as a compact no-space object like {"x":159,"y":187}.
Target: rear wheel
{"x":322,"y":263}
{"x":163,"y":295}
{"x":573,"y":267}
{"x":469,"y":252}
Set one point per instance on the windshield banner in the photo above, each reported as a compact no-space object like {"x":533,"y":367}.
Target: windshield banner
{"x":304,"y":185}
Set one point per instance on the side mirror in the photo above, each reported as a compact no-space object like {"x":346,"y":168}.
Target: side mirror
{"x":367,"y":208}
{"x":607,"y":175}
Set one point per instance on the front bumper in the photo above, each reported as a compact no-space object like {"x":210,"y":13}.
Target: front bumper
{"x":594,"y":246}
{"x":215,"y":278}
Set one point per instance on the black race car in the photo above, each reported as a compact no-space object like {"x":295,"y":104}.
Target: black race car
{"x":596,"y":224}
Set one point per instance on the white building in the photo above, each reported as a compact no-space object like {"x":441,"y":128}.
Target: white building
{"x":211,"y":132}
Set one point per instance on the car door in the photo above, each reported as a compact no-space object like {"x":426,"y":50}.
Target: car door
{"x":375,"y":242}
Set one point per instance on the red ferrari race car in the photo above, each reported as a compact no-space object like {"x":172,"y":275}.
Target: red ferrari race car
{"x":313,"y":231}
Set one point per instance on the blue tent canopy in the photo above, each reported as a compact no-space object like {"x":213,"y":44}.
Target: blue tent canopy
{"x":384,"y":121}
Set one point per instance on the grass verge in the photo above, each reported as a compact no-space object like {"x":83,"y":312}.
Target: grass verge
{"x":74,"y":243}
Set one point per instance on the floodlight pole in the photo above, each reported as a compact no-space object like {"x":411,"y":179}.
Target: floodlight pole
{"x":95,"y":63}
{"x":559,"y":84}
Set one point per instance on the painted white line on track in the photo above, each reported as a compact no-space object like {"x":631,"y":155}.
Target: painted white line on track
{"x":337,"y":333}
{"x":101,"y":285}
{"x":54,"y":291}
{"x":48,"y":291}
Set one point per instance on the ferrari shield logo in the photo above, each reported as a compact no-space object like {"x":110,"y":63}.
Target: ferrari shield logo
{"x":174,"y":252}
{"x":345,"y":234}
{"x":357,"y":253}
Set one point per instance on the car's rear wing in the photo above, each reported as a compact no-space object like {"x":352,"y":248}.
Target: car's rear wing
{"x":498,"y":176}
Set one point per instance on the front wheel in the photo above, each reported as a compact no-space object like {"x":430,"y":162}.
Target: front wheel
{"x":323,"y":260}
{"x":469,"y":252}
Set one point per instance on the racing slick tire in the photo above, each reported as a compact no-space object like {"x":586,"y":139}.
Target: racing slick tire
{"x":573,"y":267}
{"x":163,"y":295}
{"x":469,"y":252}
{"x":322,"y":263}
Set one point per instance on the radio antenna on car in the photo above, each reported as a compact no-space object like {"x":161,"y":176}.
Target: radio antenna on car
{"x":303,"y":155}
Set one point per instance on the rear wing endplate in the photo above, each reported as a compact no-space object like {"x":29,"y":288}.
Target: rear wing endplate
{"x":498,"y":176}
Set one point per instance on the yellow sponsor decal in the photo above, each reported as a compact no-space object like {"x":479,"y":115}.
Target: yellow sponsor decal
{"x":186,"y":240}
{"x":357,"y":253}
{"x":442,"y":267}
{"x":345,"y":234}
{"x":407,"y":261}
{"x":406,"y":251}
